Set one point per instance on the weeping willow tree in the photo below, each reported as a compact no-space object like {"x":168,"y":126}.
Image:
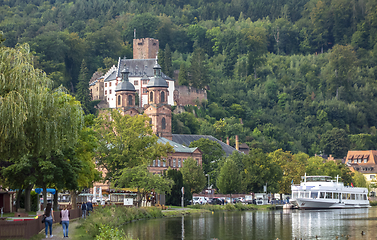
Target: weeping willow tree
{"x":35,"y":121}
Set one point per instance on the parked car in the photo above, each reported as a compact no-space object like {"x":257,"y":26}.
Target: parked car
{"x":236,"y":200}
{"x":216,"y":201}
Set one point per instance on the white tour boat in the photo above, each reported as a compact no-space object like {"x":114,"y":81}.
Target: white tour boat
{"x":316,"y":192}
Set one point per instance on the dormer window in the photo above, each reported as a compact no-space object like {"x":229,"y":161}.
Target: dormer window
{"x":151,"y":97}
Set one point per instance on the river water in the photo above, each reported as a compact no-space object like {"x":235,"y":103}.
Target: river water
{"x":263,"y":224}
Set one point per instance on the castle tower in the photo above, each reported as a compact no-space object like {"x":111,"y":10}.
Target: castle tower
{"x":125,"y":95}
{"x":158,"y":109}
{"x":145,"y":48}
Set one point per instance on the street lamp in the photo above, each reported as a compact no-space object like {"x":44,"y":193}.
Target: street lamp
{"x":208,"y":181}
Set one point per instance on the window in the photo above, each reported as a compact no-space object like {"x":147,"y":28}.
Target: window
{"x":162,"y":96}
{"x":136,"y":82}
{"x":105,"y":84}
{"x":154,"y":163}
{"x":151,"y":97}
{"x":163,"y":123}
{"x":314,"y":194}
{"x":105,"y":92}
{"x":353,"y":196}
{"x":365,"y":160}
{"x":145,"y":81}
{"x":144,"y":90}
{"x":110,"y":91}
{"x":164,"y":162}
{"x":328,"y":195}
{"x":359,"y":160}
{"x":159,"y":163}
{"x":355,"y":161}
{"x":119,"y":100}
{"x":336,"y":195}
{"x":321,"y":195}
{"x":130,"y":100}
{"x":173,"y":162}
{"x":197,"y":160}
{"x":349,"y":160}
{"x":179,"y":162}
{"x":344,"y":195}
{"x":109,"y":84}
{"x":372,"y":176}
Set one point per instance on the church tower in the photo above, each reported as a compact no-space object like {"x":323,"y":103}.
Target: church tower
{"x":125,"y":95}
{"x":158,"y":109}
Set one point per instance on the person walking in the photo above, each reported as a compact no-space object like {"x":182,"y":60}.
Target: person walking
{"x":64,"y":216}
{"x":83,"y":208}
{"x":49,"y":214}
{"x":89,"y":207}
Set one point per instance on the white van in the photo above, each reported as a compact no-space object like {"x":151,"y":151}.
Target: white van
{"x":199,"y":200}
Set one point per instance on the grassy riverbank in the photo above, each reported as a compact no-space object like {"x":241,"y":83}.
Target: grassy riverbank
{"x":112,"y":218}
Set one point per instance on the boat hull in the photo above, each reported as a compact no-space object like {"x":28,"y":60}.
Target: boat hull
{"x":304,"y":203}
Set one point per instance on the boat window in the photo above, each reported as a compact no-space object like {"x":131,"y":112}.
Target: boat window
{"x":352,"y":196}
{"x":329,"y":195}
{"x":306,"y":194}
{"x":348,"y":196}
{"x":321,"y":195}
{"x":294,"y":195}
{"x":336,"y":195}
{"x":314,"y":194}
{"x":301,"y":194}
{"x":365,"y":196}
{"x":344,"y":195}
{"x":357,"y":196}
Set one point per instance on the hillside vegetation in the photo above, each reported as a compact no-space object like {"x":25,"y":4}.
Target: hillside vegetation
{"x":297,"y":75}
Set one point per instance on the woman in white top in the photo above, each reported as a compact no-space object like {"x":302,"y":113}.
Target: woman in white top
{"x":64,"y":216}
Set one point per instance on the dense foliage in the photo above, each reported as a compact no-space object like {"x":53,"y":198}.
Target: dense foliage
{"x":280,"y":74}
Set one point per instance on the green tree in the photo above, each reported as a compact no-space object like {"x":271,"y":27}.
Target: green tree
{"x":260,"y":169}
{"x":83,"y":94}
{"x":335,"y":142}
{"x":126,"y":142}
{"x":141,"y":178}
{"x":198,"y":69}
{"x":193,"y":175}
{"x":182,"y":76}
{"x":174,"y":197}
{"x":359,"y":180}
{"x":168,"y":69}
{"x":212,"y":152}
{"x":293,"y":168}
{"x":35,"y":120}
{"x":229,"y":179}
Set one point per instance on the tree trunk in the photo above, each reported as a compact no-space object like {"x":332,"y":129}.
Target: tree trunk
{"x":73,"y":199}
{"x":56,"y":204}
{"x":18,"y":198}
{"x":27,"y":198}
{"x":44,"y":197}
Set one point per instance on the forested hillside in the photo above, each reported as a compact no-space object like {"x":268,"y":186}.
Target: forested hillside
{"x":297,"y":75}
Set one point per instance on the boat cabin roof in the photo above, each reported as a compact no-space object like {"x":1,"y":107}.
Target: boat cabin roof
{"x":317,"y":178}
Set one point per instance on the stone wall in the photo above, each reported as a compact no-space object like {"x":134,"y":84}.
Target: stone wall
{"x":184,"y":95}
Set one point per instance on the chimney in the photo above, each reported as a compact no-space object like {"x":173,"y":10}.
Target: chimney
{"x":227,"y":140}
{"x":237,"y":147}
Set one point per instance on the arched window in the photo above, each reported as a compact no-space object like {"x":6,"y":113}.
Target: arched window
{"x":151,"y":97}
{"x":162,"y":96}
{"x":163,"y":123}
{"x":129,"y":100}
{"x":119,"y":100}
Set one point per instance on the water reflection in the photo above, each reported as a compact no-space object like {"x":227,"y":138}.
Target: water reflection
{"x":291,"y":224}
